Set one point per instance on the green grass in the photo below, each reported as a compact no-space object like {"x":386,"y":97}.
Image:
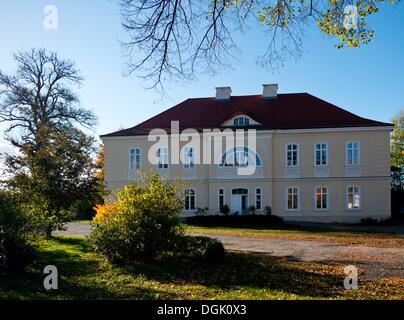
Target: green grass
{"x":85,"y":275}
{"x":291,"y":232}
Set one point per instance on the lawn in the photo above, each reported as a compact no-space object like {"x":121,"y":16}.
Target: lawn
{"x":85,"y":275}
{"x":290,"y":232}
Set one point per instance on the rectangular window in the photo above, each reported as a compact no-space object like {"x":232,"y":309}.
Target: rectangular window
{"x":321,"y":198}
{"x":189,"y":157}
{"x":321,"y":154}
{"x":293,"y":198}
{"x":292,"y":155}
{"x":353,"y":197}
{"x":189,"y":201}
{"x":135,"y":158}
{"x":258,"y":198}
{"x":221,"y":198}
{"x":352,"y":153}
{"x":162,"y":158}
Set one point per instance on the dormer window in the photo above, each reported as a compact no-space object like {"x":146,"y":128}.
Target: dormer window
{"x":241,"y":121}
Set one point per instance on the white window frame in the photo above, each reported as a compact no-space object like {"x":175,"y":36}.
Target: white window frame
{"x":287,"y":198}
{"x":297,"y":155}
{"x":261,"y":194}
{"x":218,"y":197}
{"x":188,"y":195}
{"x":353,"y":193}
{"x":239,"y":153}
{"x":191,"y":164}
{"x":326,"y":154}
{"x":347,"y":150}
{"x":130,"y":169}
{"x":162,"y":156}
{"x":328,"y":198}
{"x":245,"y":122}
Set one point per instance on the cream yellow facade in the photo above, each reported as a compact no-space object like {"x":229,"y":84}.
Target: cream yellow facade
{"x":370,"y":177}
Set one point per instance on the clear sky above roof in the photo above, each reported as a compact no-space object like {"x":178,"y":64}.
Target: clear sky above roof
{"x":368,"y":81}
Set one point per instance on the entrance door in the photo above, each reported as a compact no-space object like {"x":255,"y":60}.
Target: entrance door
{"x":236,"y":203}
{"x":239,"y":200}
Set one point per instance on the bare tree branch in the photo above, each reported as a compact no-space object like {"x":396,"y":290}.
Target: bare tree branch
{"x":175,"y":39}
{"x":38,"y":99}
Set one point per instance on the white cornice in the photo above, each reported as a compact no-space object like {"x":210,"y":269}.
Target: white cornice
{"x":285,"y":131}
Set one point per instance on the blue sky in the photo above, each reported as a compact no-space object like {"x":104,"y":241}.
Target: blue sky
{"x":368,"y":81}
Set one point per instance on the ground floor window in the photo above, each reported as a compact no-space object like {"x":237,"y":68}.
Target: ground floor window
{"x":321,"y":198}
{"x":189,"y":200}
{"x":258,"y":198}
{"x":292,"y":198}
{"x":221,"y":198}
{"x":353,"y":197}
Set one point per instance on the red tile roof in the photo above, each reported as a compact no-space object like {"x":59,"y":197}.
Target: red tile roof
{"x":287,"y":111}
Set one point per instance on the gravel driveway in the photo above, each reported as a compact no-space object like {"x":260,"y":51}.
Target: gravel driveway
{"x":375,"y":262}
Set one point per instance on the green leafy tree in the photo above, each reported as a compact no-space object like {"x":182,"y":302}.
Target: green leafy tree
{"x":397,"y":141}
{"x":54,"y":167}
{"x":397,"y":164}
{"x":96,"y":192}
{"x":16,"y":232}
{"x":174,"y":38}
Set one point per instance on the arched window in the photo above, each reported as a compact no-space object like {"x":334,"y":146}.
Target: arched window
{"x":292,"y":155}
{"x":241,"y":121}
{"x":240,"y":157}
{"x":292,"y":198}
{"x":321,"y":154}
{"x":353,"y":197}
{"x":352,"y":153}
{"x":189,"y":200}
{"x":134,"y":159}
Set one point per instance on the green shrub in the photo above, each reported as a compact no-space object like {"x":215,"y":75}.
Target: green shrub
{"x":225,"y":209}
{"x":251,"y":209}
{"x":268,"y":210}
{"x":144,"y":223}
{"x":202,"y":211}
{"x":15,"y":231}
{"x":108,"y":240}
{"x":203,"y":247}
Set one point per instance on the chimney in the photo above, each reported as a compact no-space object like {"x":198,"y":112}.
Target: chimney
{"x":270,"y":91}
{"x":223,"y":93}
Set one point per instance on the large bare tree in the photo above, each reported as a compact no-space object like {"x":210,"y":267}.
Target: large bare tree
{"x":176,"y":38}
{"x":54,"y":167}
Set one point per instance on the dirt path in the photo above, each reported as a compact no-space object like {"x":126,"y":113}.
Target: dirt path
{"x":375,"y":262}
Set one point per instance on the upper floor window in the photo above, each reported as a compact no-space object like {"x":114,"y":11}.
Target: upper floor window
{"x":162,"y":158}
{"x":241,"y":121}
{"x":353,"y":197}
{"x":189,"y":200}
{"x":134,"y":159}
{"x":189,"y":157}
{"x":321,"y":198}
{"x":292,"y":155}
{"x":240,"y":157}
{"x":321,"y":153}
{"x":292,"y":198}
{"x":353,"y":153}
